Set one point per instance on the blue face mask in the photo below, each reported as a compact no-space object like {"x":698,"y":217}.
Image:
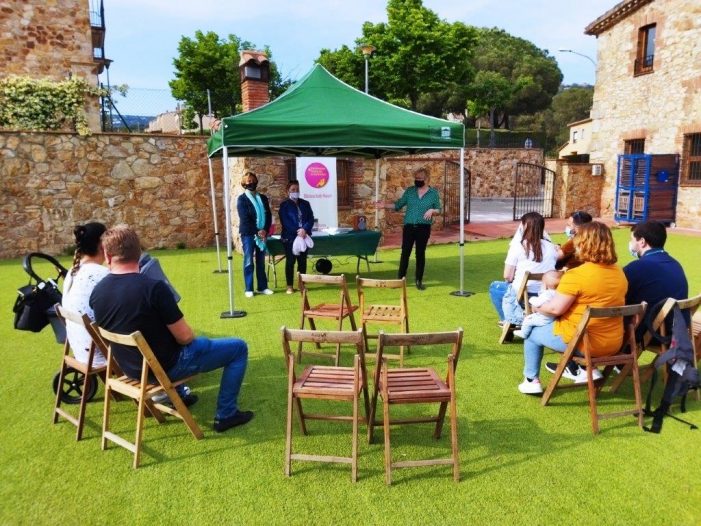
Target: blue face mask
{"x":569,"y":232}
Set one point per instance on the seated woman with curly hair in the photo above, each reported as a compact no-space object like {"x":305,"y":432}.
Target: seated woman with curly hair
{"x":598,"y":282}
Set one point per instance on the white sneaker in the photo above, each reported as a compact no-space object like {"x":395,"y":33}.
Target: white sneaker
{"x":581,"y":377}
{"x":248,"y":294}
{"x":532,"y":387}
{"x":520,"y":334}
{"x":267,"y":292}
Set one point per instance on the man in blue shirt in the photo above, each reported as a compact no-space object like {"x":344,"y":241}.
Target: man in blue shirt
{"x":655,"y":275}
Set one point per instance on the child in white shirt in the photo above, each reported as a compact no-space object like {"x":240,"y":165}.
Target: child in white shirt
{"x":550,"y":281}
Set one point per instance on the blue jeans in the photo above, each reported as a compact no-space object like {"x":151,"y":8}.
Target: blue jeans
{"x":497,"y":289}
{"x":539,"y":338}
{"x":204,"y":354}
{"x":251,"y":252}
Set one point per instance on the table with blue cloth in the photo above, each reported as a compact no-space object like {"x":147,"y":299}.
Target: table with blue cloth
{"x":358,"y":243}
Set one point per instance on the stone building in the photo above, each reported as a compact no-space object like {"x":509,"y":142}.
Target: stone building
{"x":54,"y":40}
{"x":647,"y":97}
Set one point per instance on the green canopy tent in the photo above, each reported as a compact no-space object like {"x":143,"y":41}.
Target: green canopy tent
{"x":322,"y":116}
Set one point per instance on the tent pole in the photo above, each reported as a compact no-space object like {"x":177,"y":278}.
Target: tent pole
{"x":231,"y":313}
{"x":214,"y":214}
{"x":377,"y":198}
{"x":462,"y":292}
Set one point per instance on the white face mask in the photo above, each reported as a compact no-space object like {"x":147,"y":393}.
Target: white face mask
{"x":632,"y":250}
{"x":569,"y":232}
{"x":294,"y":195}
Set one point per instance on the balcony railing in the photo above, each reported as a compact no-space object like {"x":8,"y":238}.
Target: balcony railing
{"x":97,"y":14}
{"x":644,"y":65}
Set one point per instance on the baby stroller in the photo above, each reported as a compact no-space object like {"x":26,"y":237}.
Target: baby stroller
{"x":34,"y":310}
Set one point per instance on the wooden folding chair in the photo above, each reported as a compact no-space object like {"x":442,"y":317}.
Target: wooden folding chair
{"x":507,"y":329}
{"x":330,"y":311}
{"x":90,"y":373}
{"x":416,"y":386}
{"x":625,"y":357}
{"x":384,"y":314}
{"x":658,"y":325}
{"x":325,"y":383}
{"x":142,"y":391}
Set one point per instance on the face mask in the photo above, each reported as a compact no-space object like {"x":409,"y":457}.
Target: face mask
{"x":569,"y":232}
{"x":294,"y":195}
{"x":251,"y":186}
{"x":419,"y":184}
{"x":631,"y":249}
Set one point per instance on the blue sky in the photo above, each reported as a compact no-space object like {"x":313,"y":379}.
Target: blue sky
{"x":143,"y":35}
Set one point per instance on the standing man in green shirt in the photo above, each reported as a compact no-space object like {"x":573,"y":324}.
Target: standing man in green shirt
{"x":422,"y":203}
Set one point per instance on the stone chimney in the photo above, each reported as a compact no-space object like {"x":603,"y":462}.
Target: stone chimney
{"x":255,"y":76}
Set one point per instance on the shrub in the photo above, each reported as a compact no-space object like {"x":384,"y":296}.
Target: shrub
{"x":43,"y":104}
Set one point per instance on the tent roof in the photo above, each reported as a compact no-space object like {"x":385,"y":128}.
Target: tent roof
{"x":323,"y":116}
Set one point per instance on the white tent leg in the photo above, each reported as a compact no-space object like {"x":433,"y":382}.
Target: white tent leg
{"x":462,"y":292}
{"x":231,"y":313}
{"x":214,"y":214}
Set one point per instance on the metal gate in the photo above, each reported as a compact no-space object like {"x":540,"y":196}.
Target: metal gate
{"x":451,"y":193}
{"x":534,"y":187}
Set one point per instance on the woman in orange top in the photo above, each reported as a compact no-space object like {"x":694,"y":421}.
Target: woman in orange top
{"x":598,"y":282}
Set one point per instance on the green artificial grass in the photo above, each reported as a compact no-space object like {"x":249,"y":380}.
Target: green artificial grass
{"x":521,"y":463}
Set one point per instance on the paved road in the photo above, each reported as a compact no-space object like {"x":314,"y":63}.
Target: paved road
{"x":488,"y":210}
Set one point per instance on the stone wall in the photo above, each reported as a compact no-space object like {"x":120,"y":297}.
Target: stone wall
{"x":660,"y":106}
{"x":53,"y":40}
{"x":576,"y":189}
{"x":49,"y":182}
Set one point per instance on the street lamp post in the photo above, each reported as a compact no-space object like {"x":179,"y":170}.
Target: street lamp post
{"x":367,"y":50}
{"x":580,"y":54}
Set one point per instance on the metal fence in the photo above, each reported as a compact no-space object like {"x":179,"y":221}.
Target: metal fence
{"x":142,"y":110}
{"x":482,"y":138}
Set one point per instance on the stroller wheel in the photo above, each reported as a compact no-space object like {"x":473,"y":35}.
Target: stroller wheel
{"x":73,"y":385}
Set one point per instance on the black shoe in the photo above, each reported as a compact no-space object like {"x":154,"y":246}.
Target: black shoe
{"x":188,"y":399}
{"x":570,"y":371}
{"x":239,"y":419}
{"x":420,"y":285}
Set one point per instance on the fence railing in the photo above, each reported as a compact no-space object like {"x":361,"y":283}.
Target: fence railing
{"x":482,"y":138}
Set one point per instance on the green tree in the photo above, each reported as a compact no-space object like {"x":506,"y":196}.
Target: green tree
{"x":419,"y":58}
{"x":487,"y":92}
{"x":210,"y":62}
{"x":521,"y":63}
{"x":571,"y":104}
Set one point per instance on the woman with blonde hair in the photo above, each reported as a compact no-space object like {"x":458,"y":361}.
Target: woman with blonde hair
{"x":598,"y":282}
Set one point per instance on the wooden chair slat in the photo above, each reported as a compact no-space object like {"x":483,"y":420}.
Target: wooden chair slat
{"x":416,"y":386}
{"x":337,"y":312}
{"x":396,"y":314}
{"x":580,"y":342}
{"x":141,"y":391}
{"x":332,"y":383}
{"x":89,"y":371}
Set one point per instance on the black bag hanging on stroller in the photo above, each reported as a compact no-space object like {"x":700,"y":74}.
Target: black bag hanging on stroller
{"x":34,"y":306}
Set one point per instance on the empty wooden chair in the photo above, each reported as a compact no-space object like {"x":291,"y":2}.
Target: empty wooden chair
{"x":626,"y":357}
{"x":90,"y":373}
{"x":507,"y":329}
{"x":337,"y":312}
{"x":416,"y":386}
{"x":142,"y":391}
{"x":325,"y":383}
{"x":396,"y":314}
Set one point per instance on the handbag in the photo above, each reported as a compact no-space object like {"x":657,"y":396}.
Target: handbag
{"x":33,"y":304}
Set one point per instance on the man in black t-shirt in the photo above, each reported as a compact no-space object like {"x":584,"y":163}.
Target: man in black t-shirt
{"x":126,"y":301}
